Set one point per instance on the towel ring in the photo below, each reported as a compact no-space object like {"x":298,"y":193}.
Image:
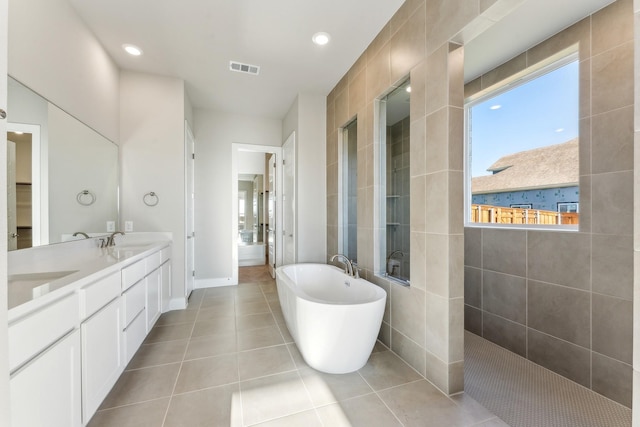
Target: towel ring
{"x":86,"y":198}
{"x":150,"y":199}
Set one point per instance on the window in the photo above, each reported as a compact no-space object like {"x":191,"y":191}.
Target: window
{"x":349,"y":189}
{"x":394,"y":184}
{"x":522,"y":148}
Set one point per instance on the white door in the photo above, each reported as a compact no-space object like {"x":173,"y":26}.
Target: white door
{"x":12,"y":222}
{"x":271,"y":206}
{"x":190,"y":232}
{"x":289,"y":200}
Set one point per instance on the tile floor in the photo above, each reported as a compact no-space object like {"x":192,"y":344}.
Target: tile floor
{"x":228,"y":360}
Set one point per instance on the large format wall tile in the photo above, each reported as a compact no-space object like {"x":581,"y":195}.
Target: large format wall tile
{"x":560,"y":311}
{"x":559,"y":258}
{"x":505,"y":333}
{"x":612,"y":265}
{"x":505,"y":295}
{"x":505,"y":251}
{"x":612,"y":378}
{"x":612,"y":325}
{"x":564,"y":358}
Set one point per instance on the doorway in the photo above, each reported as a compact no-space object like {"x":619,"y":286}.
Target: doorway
{"x":24,"y":202}
{"x":256,"y":205}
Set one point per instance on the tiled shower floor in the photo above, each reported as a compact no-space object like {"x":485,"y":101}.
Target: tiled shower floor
{"x":228,"y":360}
{"x":524,"y":394}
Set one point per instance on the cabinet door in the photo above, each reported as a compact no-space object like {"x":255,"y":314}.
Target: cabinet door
{"x":165,"y":273}
{"x":153,"y":298}
{"x":46,"y":392}
{"x":102,"y":356}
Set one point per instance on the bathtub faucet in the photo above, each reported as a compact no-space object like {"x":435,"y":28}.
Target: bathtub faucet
{"x":348,"y":266}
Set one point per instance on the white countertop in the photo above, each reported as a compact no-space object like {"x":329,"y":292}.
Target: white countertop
{"x":41,"y":275}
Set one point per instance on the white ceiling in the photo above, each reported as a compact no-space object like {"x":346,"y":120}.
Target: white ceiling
{"x":195,"y":40}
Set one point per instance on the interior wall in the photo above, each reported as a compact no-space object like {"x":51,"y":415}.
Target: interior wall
{"x":57,"y":56}
{"x":565,"y":299}
{"x":215,"y":132}
{"x":423,"y":323}
{"x":307,"y":118}
{"x":152,"y":153}
{"x":636,"y":225}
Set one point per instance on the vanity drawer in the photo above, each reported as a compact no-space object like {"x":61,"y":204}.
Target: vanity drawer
{"x":153,"y":261}
{"x":134,"y":335}
{"x":134,"y":300}
{"x":132,"y":274}
{"x":165,"y":254}
{"x":32,"y":334}
{"x":98,"y":294}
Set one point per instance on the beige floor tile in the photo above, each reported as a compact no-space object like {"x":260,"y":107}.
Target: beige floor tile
{"x":222,"y":313}
{"x":472,"y":406}
{"x":306,"y":419}
{"x":159,"y":353}
{"x":271,"y":397}
{"x":385,"y":369}
{"x":211,"y":407}
{"x":254,"y":321}
{"x":211,"y":345}
{"x":421,"y":404}
{"x":169,"y":333}
{"x":141,"y":385}
{"x":259,"y":338}
{"x":327,"y":388}
{"x":365,"y":411}
{"x":286,"y":336}
{"x":223,"y":306}
{"x":176,"y":317}
{"x":494,"y":422}
{"x":208,"y":372}
{"x":297,"y":357}
{"x":252,"y":307}
{"x":213,"y":327}
{"x":146,"y":414}
{"x":264,"y":361}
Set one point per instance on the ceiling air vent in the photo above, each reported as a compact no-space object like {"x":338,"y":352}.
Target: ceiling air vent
{"x":244,"y":68}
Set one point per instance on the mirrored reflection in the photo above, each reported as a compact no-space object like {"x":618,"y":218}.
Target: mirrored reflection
{"x":62,"y":175}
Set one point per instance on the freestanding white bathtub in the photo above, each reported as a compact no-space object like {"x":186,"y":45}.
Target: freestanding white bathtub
{"x":333,"y":318}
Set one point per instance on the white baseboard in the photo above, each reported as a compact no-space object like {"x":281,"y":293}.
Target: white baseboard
{"x":177,"y":303}
{"x":214,"y":283}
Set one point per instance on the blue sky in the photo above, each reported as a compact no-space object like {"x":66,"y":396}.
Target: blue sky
{"x":541,"y":112}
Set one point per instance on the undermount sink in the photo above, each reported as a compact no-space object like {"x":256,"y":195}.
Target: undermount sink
{"x":27,"y":286}
{"x":125,"y":251}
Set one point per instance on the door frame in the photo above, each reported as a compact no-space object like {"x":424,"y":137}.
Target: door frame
{"x":189,"y":247}
{"x":236,"y":148}
{"x":39,"y":185}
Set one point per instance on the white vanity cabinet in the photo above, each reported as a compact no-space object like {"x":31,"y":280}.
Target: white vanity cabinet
{"x":46,"y":392}
{"x":101,"y":336}
{"x":66,"y":354}
{"x":44,"y":358}
{"x":165,"y":278}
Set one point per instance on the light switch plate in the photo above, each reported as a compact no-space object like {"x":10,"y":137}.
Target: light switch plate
{"x":128,"y":226}
{"x":111,"y":226}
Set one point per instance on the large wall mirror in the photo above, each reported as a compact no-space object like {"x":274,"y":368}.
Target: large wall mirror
{"x":62,"y":175}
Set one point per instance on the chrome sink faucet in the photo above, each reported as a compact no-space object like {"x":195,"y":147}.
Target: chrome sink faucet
{"x":111,"y":239}
{"x":348,"y":266}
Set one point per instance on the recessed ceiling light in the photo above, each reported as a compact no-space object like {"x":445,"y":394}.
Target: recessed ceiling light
{"x":408,"y":89}
{"x":321,"y":38}
{"x":132,"y":50}
{"x":495,"y":107}
{"x":15,"y":132}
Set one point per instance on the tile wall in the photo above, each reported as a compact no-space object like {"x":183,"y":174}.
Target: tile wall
{"x":423,"y":323}
{"x":565,"y":299}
